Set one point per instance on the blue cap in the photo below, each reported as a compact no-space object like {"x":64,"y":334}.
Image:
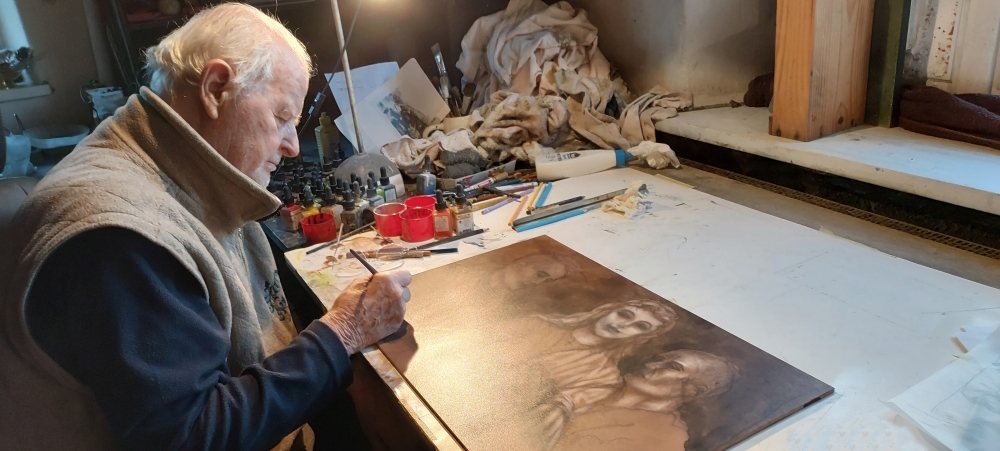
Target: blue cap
{"x":622,"y":158}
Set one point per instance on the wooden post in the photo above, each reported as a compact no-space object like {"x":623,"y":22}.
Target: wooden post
{"x":885,"y":68}
{"x":821,"y":66}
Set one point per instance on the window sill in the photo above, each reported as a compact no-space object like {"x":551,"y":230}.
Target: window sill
{"x":948,"y":171}
{"x":24,"y":92}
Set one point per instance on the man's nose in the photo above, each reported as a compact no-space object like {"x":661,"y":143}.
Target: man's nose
{"x":290,"y":147}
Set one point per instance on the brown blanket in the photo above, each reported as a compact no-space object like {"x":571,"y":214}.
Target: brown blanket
{"x":972,"y":118}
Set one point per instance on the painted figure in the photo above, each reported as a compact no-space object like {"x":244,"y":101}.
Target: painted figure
{"x":652,"y":396}
{"x":580,"y":354}
{"x":532,"y":270}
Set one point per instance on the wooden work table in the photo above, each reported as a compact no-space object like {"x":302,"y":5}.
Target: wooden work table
{"x":867,"y":323}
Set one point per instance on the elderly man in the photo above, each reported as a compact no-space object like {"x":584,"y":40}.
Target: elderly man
{"x":140,"y":306}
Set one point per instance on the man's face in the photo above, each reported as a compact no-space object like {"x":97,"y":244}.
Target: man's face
{"x":527,"y":271}
{"x":262,"y":127}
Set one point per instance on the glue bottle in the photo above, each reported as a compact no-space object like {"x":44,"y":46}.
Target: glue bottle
{"x":462,"y":212}
{"x":426,"y":181}
{"x":442,"y":218}
{"x":581,"y":162}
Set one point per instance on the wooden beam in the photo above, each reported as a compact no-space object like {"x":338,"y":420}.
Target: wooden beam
{"x":821,"y":66}
{"x":885,"y":68}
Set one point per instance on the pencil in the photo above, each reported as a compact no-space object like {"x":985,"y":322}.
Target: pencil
{"x":524,"y":200}
{"x":544,"y":195}
{"x":534,"y":197}
{"x":363,"y":261}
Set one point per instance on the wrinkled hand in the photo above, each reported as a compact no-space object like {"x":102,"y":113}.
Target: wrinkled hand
{"x":369,"y":309}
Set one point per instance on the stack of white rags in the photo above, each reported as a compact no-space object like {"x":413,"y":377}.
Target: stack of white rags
{"x":542,"y":86}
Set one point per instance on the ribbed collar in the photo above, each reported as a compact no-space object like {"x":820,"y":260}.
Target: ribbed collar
{"x":224,"y":198}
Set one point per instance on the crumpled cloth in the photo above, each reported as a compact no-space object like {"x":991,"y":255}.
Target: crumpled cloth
{"x":640,"y":117}
{"x":632,"y":203}
{"x":972,"y":118}
{"x":513,"y":49}
{"x":510,"y":122}
{"x":587,"y":99}
{"x":656,"y":155}
{"x":455,"y":147}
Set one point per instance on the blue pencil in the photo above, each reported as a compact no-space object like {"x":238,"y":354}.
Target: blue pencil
{"x":545,"y":194}
{"x":498,"y":206}
{"x":550,"y":220}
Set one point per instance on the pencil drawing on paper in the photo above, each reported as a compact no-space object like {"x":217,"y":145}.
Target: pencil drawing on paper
{"x":534,"y":346}
{"x":977,"y":406}
{"x":406,"y":119}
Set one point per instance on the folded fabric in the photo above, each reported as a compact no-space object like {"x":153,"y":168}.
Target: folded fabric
{"x":760,"y":90}
{"x":455,"y":147}
{"x":511,"y":121}
{"x":640,"y":117}
{"x":512,"y":50}
{"x":971,"y":118}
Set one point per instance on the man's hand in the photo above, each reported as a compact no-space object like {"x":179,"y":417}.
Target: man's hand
{"x":369,"y":309}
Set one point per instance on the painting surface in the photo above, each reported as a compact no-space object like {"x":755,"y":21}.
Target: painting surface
{"x":534,"y":346}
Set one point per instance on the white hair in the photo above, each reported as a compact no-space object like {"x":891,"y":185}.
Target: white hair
{"x":241,"y":35}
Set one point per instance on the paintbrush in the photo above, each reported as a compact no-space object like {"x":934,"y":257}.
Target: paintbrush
{"x":363,"y":261}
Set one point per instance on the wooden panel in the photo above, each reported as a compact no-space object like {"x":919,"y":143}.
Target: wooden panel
{"x":942,"y":51}
{"x":838,"y":70}
{"x":996,"y":73}
{"x":885,"y":67}
{"x":977,"y":47}
{"x":792,"y":64}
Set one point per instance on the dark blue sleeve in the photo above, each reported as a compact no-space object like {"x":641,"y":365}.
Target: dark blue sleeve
{"x":125,"y":318}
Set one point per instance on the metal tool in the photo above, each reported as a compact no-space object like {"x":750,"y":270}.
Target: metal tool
{"x":570,"y":207}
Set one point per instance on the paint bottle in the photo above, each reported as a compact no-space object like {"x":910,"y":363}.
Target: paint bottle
{"x":426,"y":181}
{"x":351,"y":216}
{"x":324,"y":139}
{"x":388,"y":189}
{"x":462,"y":212}
{"x":291,"y":214}
{"x":442,"y":218}
{"x":331,"y":207}
{"x":359,"y":196}
{"x":378,"y":187}
{"x":374,"y":199}
{"x":309,"y":207}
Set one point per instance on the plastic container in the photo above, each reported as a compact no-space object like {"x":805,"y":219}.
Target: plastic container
{"x":387,"y":220}
{"x":319,"y":228}
{"x":417,"y":202}
{"x":18,"y":162}
{"x":418,"y":224}
{"x":574,"y":164}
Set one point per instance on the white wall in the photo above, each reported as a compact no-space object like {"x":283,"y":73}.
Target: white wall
{"x":711,"y":48}
{"x":57,"y":31}
{"x":954,"y":45}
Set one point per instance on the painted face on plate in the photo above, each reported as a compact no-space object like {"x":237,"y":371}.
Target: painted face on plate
{"x":683,"y":374}
{"x":528,"y":271}
{"x":626,"y":322}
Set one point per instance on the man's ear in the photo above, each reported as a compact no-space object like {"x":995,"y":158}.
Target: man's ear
{"x":216,"y":86}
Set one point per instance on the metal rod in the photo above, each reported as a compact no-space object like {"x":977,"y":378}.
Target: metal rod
{"x":347,"y":76}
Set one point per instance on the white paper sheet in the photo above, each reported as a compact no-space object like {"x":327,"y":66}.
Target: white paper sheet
{"x":959,"y":405}
{"x":972,"y":336}
{"x":403,"y":105}
{"x":365,"y":79}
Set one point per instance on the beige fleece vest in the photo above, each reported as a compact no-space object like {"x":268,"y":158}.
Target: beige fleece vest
{"x":148,"y":171}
